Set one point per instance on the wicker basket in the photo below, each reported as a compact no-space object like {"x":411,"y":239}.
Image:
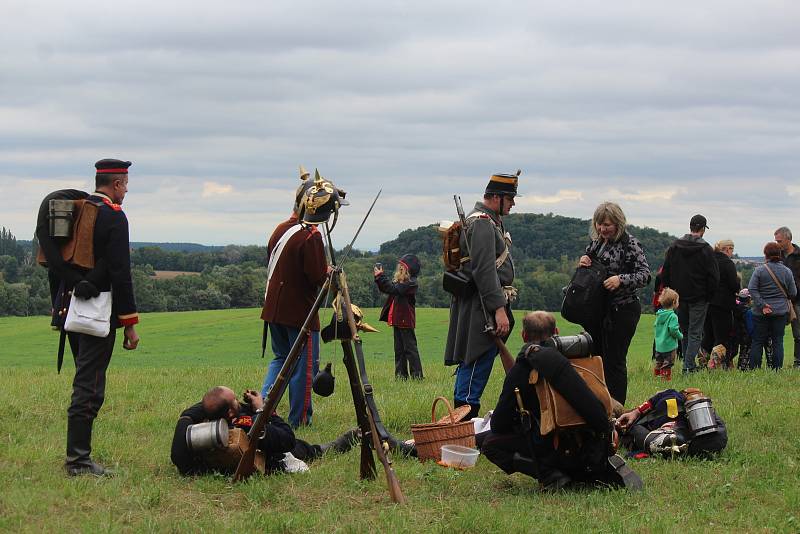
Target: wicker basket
{"x":429,"y":437}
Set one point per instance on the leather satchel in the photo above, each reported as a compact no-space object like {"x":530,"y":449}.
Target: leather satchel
{"x":556,"y":412}
{"x":226,"y":460}
{"x":90,"y":316}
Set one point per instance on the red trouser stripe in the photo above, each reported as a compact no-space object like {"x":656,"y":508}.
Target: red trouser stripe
{"x":309,"y":369}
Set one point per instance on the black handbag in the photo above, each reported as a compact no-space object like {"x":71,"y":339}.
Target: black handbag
{"x":585,"y":298}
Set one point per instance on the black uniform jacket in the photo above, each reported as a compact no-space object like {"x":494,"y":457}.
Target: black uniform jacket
{"x":112,"y":270}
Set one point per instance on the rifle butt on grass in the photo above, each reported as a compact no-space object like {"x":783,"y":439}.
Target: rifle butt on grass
{"x":366,"y":412}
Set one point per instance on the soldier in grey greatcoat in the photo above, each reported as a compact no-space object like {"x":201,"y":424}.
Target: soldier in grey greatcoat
{"x":470,"y":344}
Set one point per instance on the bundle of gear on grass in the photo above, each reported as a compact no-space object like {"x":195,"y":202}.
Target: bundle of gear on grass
{"x":674,"y":424}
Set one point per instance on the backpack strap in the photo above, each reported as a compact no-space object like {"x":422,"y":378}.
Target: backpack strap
{"x":501,"y":259}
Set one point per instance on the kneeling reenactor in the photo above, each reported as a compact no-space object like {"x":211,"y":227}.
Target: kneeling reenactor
{"x":212,"y":435}
{"x":526,"y":435}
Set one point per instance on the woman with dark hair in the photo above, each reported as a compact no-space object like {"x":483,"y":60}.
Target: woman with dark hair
{"x":770,"y":285}
{"x":627,"y":272}
{"x":719,"y":318}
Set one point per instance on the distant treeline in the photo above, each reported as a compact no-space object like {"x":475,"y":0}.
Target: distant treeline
{"x":545,"y":252}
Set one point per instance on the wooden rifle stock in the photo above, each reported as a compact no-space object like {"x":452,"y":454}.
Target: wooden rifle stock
{"x":505,"y":357}
{"x":246,"y":465}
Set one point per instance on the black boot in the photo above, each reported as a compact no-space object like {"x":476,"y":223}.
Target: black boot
{"x":524,"y":465}
{"x":397,"y":446}
{"x":343,"y":443}
{"x":797,"y":353}
{"x":79,"y":448}
{"x":620,"y":474}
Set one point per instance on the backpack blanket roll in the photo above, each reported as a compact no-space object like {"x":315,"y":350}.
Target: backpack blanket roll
{"x":585,"y":298}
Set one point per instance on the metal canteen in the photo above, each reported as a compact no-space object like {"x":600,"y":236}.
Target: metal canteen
{"x":207,"y":436}
{"x":701,"y":416}
{"x":60,"y":216}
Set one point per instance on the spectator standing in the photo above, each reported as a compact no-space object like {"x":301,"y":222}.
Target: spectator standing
{"x":691,"y":270}
{"x":399,"y":312}
{"x":770,"y":285}
{"x":628,"y":272}
{"x":790,"y":254}
{"x":719,"y":318}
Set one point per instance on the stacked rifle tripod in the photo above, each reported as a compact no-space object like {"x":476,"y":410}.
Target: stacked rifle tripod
{"x":374,"y":436}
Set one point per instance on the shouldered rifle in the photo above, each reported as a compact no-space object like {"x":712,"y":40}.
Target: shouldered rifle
{"x":505,"y":356}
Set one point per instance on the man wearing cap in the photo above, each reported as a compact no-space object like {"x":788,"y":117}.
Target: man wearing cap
{"x":296,"y":269}
{"x":469,"y":344}
{"x":691,"y":270}
{"x":790,"y":254}
{"x":111,"y":271}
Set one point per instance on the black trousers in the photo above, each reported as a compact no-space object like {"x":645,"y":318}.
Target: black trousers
{"x":406,"y":354}
{"x":501,"y":448}
{"x":92,"y":356}
{"x":612,"y":341}
{"x":718,"y":330}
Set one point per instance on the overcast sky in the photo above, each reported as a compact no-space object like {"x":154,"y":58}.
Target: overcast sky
{"x":669,"y":108}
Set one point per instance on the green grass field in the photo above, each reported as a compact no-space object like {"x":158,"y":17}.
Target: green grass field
{"x":752,"y":487}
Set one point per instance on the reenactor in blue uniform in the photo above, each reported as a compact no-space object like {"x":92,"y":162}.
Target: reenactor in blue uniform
{"x":104,"y":251}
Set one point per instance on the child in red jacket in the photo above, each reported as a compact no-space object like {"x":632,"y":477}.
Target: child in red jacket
{"x":399,"y":312}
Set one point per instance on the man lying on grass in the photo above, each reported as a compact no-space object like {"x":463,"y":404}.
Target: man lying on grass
{"x":279,"y":449}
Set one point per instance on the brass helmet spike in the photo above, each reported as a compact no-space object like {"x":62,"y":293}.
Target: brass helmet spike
{"x":304,"y":174}
{"x":317,"y":178}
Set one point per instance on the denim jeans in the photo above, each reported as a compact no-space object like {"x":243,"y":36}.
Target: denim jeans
{"x":768,"y":327}
{"x":471,"y":380}
{"x":283,"y":338}
{"x":691,"y":318}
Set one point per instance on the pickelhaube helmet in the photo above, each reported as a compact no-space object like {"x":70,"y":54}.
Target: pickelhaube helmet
{"x":321,"y":200}
{"x":305,"y":184}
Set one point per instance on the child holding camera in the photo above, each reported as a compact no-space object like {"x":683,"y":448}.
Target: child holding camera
{"x":400,"y":314}
{"x":668,"y":333}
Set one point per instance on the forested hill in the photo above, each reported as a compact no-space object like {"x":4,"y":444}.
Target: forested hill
{"x":546,"y":250}
{"x":535,"y":236}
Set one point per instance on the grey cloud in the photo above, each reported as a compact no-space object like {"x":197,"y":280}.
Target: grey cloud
{"x":424,"y":100}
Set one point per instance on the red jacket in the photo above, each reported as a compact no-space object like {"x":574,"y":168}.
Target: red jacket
{"x":297,"y":277}
{"x":401,"y":301}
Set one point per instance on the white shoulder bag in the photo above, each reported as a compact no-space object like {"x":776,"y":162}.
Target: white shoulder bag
{"x":90,"y":316}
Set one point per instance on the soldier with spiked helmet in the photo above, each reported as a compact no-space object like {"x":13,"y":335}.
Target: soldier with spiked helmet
{"x":296,"y":269}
